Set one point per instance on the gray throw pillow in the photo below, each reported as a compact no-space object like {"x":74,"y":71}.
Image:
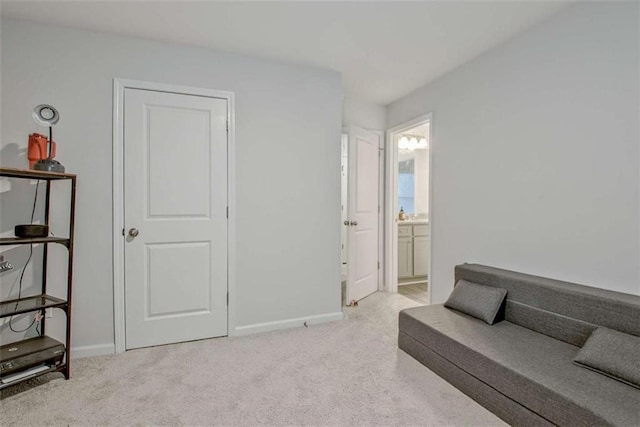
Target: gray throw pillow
{"x":612,"y":353}
{"x":480,"y":301}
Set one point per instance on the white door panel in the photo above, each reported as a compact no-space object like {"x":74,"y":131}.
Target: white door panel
{"x":176,"y":197}
{"x":191,"y":296}
{"x":363,"y":213}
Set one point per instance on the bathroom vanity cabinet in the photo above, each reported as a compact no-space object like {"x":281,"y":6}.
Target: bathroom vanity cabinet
{"x":413,"y":251}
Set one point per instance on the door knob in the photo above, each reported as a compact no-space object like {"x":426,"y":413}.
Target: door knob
{"x":346,"y":223}
{"x":354,"y":223}
{"x":133,"y":232}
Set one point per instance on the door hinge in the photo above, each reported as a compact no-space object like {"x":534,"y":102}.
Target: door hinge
{"x":227,"y":299}
{"x":123,"y":231}
{"x":227,"y":212}
{"x":227,"y":126}
{"x":378,"y":265}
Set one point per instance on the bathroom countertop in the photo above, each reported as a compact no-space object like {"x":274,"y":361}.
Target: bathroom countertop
{"x":414,"y":222}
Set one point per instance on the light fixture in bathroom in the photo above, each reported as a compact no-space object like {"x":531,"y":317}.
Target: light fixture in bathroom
{"x":412,"y":142}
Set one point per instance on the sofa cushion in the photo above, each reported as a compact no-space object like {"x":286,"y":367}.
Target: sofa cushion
{"x":531,"y":368}
{"x":612,"y":353}
{"x":482,"y":302}
{"x":564,"y":306}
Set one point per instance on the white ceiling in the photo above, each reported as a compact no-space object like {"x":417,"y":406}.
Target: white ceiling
{"x":384,"y":50}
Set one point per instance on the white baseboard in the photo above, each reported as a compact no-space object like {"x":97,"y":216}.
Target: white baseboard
{"x":106,"y":349}
{"x":285,"y":324}
{"x":92,"y":350}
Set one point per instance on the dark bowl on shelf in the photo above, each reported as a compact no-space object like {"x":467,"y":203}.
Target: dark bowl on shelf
{"x":31,"y":230}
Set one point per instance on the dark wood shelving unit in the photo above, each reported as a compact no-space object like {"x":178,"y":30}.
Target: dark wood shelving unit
{"x":6,"y":241}
{"x":27,"y":304}
{"x":43,"y":301}
{"x":34,"y":174}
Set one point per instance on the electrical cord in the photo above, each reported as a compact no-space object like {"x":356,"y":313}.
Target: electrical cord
{"x":33,"y":211}
{"x":35,"y":201}
{"x":36,"y":317}
{"x":20,"y":295}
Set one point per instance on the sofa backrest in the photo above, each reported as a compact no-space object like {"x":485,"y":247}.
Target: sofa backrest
{"x":565,"y":311}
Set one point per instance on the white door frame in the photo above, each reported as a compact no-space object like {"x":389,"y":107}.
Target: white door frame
{"x":381,"y":201}
{"x":391,"y":208}
{"x":119,"y":86}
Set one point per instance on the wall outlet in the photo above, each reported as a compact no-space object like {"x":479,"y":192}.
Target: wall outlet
{"x":48,"y":313}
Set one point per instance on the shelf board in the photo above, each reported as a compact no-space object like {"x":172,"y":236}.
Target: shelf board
{"x":5,"y":241}
{"x":34,"y":174}
{"x":29,"y":304}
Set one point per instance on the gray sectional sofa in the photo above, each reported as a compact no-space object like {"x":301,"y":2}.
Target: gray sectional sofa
{"x":521,"y":367}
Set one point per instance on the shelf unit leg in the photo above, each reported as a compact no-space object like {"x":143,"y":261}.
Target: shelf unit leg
{"x":72,"y":215}
{"x":45,"y":251}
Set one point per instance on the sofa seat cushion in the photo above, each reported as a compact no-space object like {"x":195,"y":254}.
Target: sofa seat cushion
{"x":532,"y":369}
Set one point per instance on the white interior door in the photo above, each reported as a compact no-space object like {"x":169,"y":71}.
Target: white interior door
{"x":344,"y":191}
{"x":175,"y":202}
{"x":363,"y":207}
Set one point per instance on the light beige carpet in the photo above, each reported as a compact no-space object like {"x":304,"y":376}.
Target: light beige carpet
{"x":341,"y":373}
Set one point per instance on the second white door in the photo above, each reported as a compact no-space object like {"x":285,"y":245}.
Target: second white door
{"x":175,"y":179}
{"x":362,"y":213}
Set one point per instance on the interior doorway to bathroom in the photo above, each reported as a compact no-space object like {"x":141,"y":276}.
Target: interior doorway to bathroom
{"x":408,"y":222}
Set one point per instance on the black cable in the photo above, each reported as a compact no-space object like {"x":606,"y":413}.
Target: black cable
{"x":22,"y":273}
{"x":21,"y":330}
{"x":35,"y":200}
{"x":20,"y":295}
{"x":33,"y":211}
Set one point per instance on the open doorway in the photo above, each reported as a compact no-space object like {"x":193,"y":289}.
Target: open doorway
{"x":407,"y":207}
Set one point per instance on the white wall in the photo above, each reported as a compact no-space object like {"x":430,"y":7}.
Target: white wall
{"x":422,"y":181}
{"x":364,"y":114}
{"x":535,"y":153}
{"x":288,"y":123}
